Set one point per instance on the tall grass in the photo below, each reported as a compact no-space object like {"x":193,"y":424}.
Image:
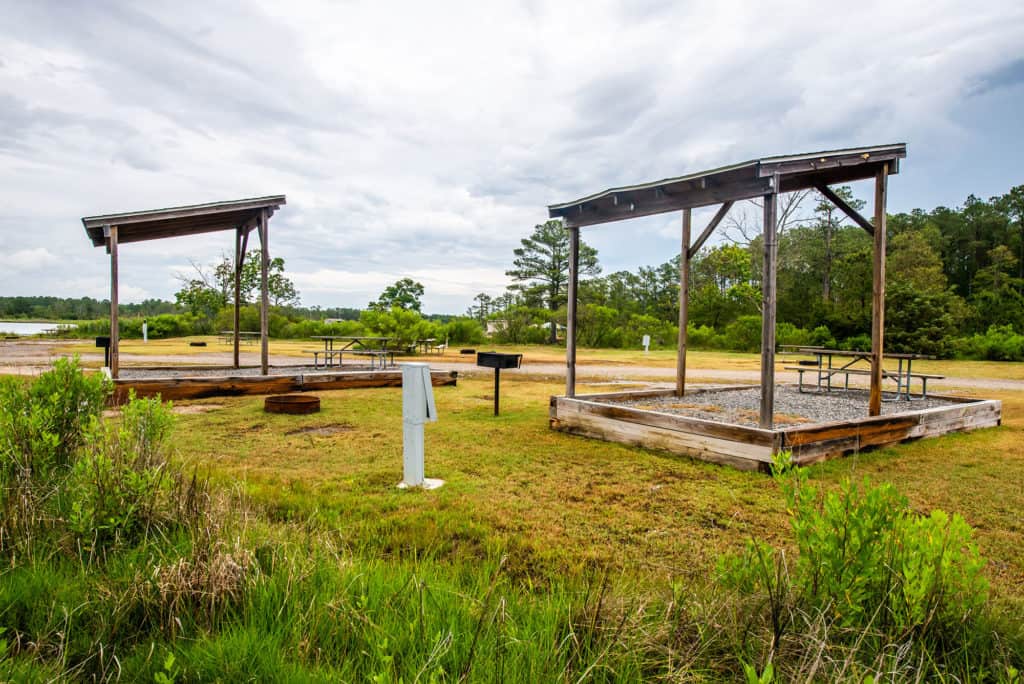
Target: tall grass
{"x":117,"y":565}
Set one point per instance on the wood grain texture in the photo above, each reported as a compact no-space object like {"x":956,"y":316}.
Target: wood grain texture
{"x":751,"y":448}
{"x":570,"y":323}
{"x":115,"y":327}
{"x":684,"y":303}
{"x":878,"y":293}
{"x":264,"y":293}
{"x":174,"y":389}
{"x":768,"y":306}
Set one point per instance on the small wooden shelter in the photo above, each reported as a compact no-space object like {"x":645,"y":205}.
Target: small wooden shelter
{"x":764,"y":178}
{"x":242,"y":216}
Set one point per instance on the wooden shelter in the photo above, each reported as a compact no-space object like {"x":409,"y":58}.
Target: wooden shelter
{"x":764,"y":179}
{"x":623,"y":417}
{"x":242,"y":216}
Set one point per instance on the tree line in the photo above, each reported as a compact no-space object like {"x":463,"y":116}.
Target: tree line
{"x":954,"y":280}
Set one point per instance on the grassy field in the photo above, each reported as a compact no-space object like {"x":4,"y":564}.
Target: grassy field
{"x":545,"y":557}
{"x":661,"y":358}
{"x":562,"y":502}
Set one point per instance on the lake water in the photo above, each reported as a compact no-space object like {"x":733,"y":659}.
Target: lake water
{"x":23,"y":328}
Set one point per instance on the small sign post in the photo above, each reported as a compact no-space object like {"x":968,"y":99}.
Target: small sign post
{"x":647,"y":343}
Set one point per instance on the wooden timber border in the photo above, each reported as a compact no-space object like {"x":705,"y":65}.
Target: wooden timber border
{"x":200,"y":387}
{"x":750,"y":448}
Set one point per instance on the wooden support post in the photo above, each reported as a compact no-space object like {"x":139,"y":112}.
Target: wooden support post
{"x":238,"y":287}
{"x":115,"y":330}
{"x":264,"y":293}
{"x":878,"y":293}
{"x":768,"y":303}
{"x":570,"y":323}
{"x":684,"y":303}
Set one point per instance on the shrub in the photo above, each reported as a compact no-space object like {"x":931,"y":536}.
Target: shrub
{"x":821,"y":337}
{"x":867,"y":564}
{"x":858,"y":343}
{"x":789,"y":334}
{"x":998,"y":343}
{"x":42,"y":423}
{"x":663,"y":333}
{"x":704,"y":337}
{"x":744,"y":334}
{"x":115,"y":490}
{"x":464,"y":330}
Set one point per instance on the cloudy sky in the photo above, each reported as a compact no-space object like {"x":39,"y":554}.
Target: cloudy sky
{"x":425,"y":139}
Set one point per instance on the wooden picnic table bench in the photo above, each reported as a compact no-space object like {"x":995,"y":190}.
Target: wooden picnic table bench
{"x":377,"y":356}
{"x":360,"y":345}
{"x":824,"y":369}
{"x":329,"y":356}
{"x":228,"y":336}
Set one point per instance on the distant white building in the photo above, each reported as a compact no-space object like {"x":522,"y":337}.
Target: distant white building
{"x":496,"y":325}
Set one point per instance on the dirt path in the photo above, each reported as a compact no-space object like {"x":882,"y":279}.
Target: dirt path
{"x":30,"y":357}
{"x":611,"y":373}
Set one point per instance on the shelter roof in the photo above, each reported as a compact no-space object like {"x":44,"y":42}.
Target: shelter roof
{"x":745,"y":180}
{"x":154,"y":224}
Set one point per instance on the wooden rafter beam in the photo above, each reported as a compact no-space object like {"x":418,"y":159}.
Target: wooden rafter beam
{"x":722,"y":211}
{"x":845,"y":208}
{"x":627,"y":205}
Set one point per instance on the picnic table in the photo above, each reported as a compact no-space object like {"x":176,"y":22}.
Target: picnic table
{"x":425,"y":344}
{"x":376,"y":348}
{"x":228,"y":336}
{"x":825,"y":366}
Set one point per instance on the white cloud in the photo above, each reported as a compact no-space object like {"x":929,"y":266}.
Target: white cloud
{"x":28,"y":260}
{"x":425,"y":139}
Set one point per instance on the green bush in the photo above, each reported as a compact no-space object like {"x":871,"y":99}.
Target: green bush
{"x":868,"y":565}
{"x":744,"y":334}
{"x":663,"y":334}
{"x":790,"y":335}
{"x":704,"y":337}
{"x":116,"y":488}
{"x":858,"y":343}
{"x":821,"y":337}
{"x":43,"y":422}
{"x":998,"y":343}
{"x":463,"y":330}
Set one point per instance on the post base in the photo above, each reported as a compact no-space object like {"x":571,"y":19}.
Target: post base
{"x":428,"y":483}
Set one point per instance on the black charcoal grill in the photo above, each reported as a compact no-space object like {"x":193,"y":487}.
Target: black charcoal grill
{"x":497,"y":361}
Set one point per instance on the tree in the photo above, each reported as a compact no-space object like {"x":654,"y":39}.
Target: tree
{"x":484,"y":305}
{"x":405,"y":294}
{"x":541,"y":267}
{"x":204,"y":293}
{"x":827,"y":223}
{"x":280,"y":289}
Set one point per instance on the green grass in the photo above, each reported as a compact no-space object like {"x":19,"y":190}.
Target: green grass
{"x":562,"y":501}
{"x":545,"y":557}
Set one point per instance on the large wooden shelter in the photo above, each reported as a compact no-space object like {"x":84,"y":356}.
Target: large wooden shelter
{"x":763,"y":179}
{"x":622,"y":416}
{"x":241,"y":216}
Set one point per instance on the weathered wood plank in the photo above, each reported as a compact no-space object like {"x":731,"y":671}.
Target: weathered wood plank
{"x":845,"y":208}
{"x":570,"y":323}
{"x":691,"y":250}
{"x":768,"y":305}
{"x":878,"y":294}
{"x":264,"y":293}
{"x":241,"y":242}
{"x":588,"y":214}
{"x":173,"y":389}
{"x":115,"y":328}
{"x":684,"y":303}
{"x":742,"y":456}
{"x":668,"y":421}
